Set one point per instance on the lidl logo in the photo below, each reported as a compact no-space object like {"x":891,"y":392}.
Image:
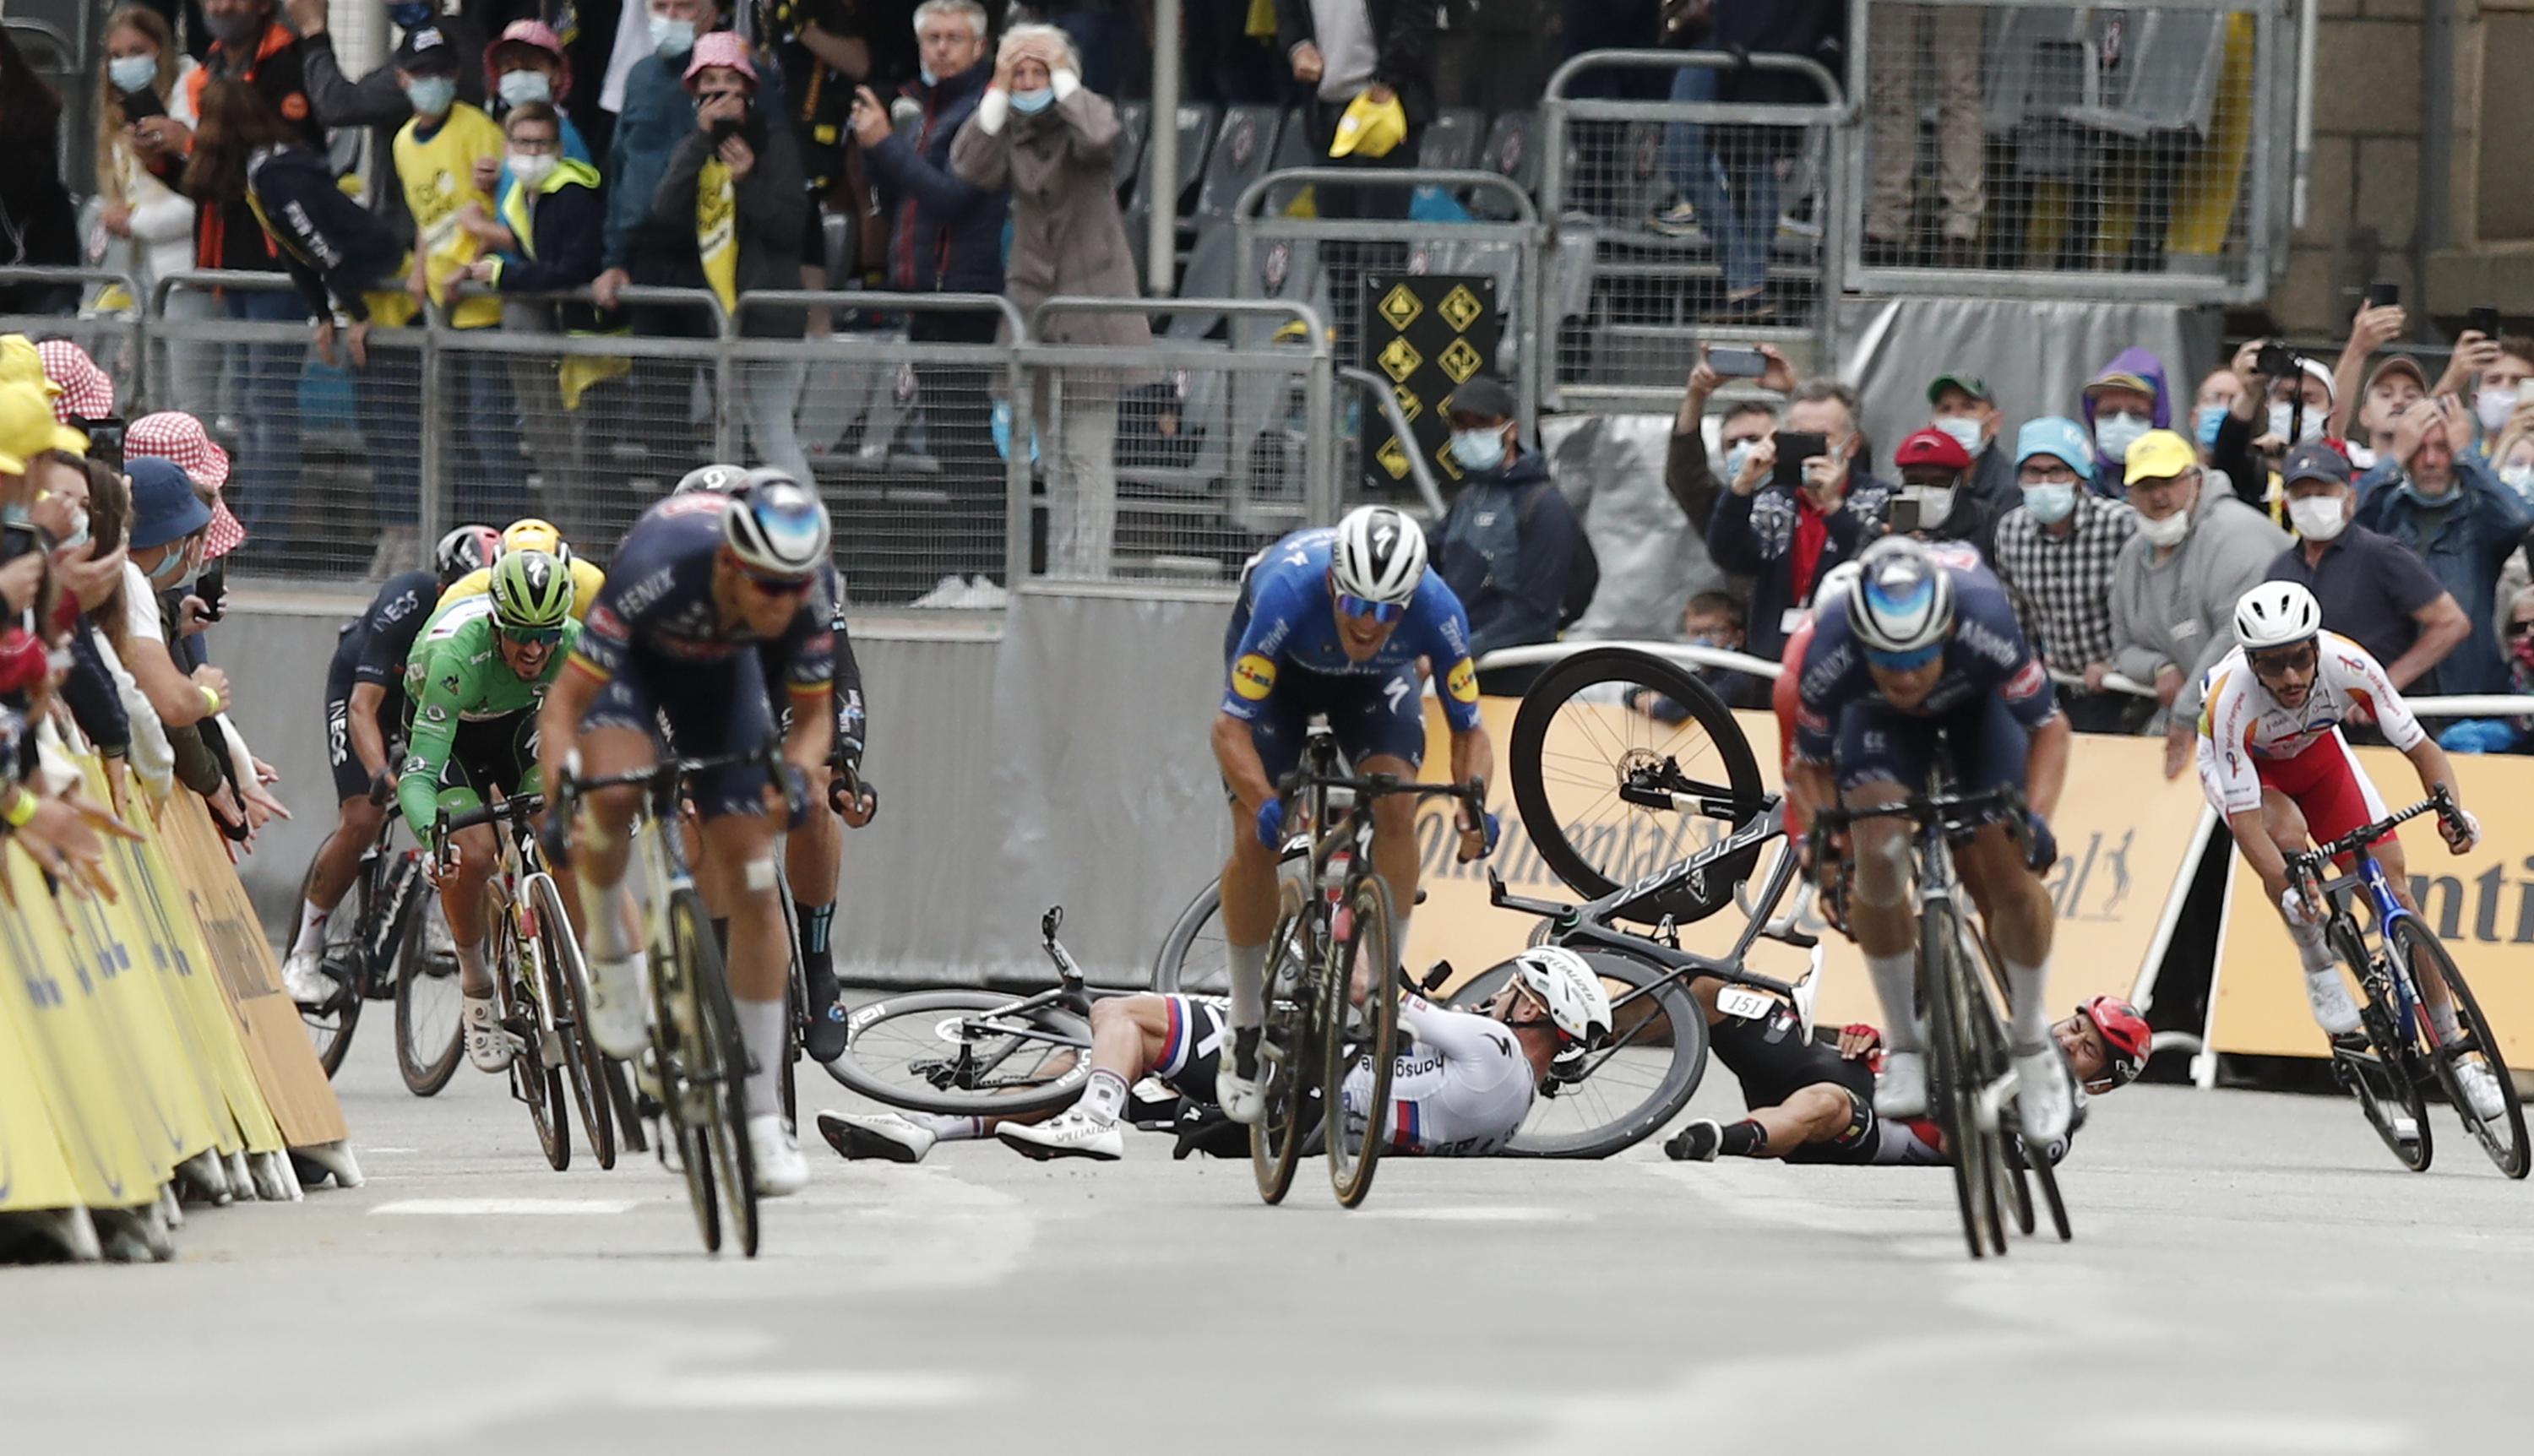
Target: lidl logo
{"x":1463,"y":684}
{"x":1253,"y":677}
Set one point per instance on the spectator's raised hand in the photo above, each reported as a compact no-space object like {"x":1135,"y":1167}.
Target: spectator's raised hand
{"x":487,"y":172}
{"x":1703,"y":378}
{"x":2254,"y":397}
{"x":88,"y":578}
{"x":720,"y":107}
{"x":2474,"y":352}
{"x":736,"y":157}
{"x":157,"y":136}
{"x":1756,"y":466}
{"x":1826,"y":481}
{"x":869,"y":119}
{"x":1779,"y":375}
{"x":2414,"y":425}
{"x":2377,"y":326}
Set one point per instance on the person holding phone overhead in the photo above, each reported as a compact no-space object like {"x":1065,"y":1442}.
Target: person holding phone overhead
{"x":1802,"y":503}
{"x":1695,"y":482}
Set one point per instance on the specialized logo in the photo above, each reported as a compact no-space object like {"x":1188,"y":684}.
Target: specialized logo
{"x":1463,"y":684}
{"x":1253,"y":677}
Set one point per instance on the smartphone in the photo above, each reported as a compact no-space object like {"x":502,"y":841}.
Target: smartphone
{"x":1737,"y":363}
{"x":105,"y":439}
{"x":140,"y":105}
{"x":2384,"y":295}
{"x":2275,"y":360}
{"x":1794,"y":448}
{"x":1904,"y":517}
{"x":725,"y":127}
{"x":2483,"y":320}
{"x":212,"y":586}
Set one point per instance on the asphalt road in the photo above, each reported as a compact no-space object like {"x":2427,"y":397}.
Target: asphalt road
{"x":2252,"y":1274}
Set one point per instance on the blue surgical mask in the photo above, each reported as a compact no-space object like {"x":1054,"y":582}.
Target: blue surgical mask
{"x":132,"y":73}
{"x":2413,"y":494}
{"x":1032,"y":102}
{"x":169,"y":572}
{"x":925,"y":75}
{"x":1735,"y":458}
{"x":2210,"y":417}
{"x":2050,"y":502}
{"x":409,"y":13}
{"x":1481,"y":449}
{"x":1964,"y":429}
{"x":2114,"y":434}
{"x":432,"y":96}
{"x":519,"y":88}
{"x":672,"y":38}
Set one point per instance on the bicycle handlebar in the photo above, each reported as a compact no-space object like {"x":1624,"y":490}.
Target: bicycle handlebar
{"x":574,"y":787}
{"x":514,"y":810}
{"x":1924,"y":807}
{"x":2311,"y":861}
{"x":1472,"y":794}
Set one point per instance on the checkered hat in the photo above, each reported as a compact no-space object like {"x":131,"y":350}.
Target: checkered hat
{"x":173,"y":435}
{"x":87,"y":393}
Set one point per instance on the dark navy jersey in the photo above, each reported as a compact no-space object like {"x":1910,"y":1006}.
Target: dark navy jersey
{"x":382,"y":639}
{"x":658,"y":602}
{"x":1292,"y":624}
{"x":1985,"y":656}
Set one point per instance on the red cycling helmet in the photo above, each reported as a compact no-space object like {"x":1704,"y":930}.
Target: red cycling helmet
{"x":2126,"y":1041}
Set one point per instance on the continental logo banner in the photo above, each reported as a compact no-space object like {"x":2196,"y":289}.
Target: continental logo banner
{"x":2124,"y":834}
{"x":2481,"y":906}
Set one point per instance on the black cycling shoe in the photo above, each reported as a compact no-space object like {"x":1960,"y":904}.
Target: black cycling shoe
{"x":1695,"y":1144}
{"x":825,"y":1036}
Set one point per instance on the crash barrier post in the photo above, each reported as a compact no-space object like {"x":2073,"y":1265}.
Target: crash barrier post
{"x":1636,"y":279}
{"x":144,"y":1043}
{"x":1175,"y":464}
{"x":108,"y":322}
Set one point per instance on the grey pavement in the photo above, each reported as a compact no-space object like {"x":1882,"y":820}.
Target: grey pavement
{"x":2252,"y":1273}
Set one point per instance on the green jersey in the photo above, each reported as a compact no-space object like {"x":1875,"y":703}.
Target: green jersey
{"x":456,"y":675}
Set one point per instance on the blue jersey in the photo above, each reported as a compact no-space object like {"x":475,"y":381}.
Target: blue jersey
{"x":1985,"y":656}
{"x":658,"y":602}
{"x":1292,"y":625}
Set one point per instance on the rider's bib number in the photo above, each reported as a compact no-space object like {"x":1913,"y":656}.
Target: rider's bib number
{"x":1743,"y":1001}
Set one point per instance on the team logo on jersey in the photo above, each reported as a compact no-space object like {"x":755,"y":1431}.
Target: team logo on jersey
{"x":2032,"y":679}
{"x":1463,"y":684}
{"x":1253,"y":677}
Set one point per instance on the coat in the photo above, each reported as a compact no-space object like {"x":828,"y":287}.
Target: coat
{"x":1068,"y":237}
{"x":2180,"y":612}
{"x":945,"y":235}
{"x":2466,"y":546}
{"x":772,"y":206}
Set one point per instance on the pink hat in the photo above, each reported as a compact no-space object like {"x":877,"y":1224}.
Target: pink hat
{"x":541,"y":35}
{"x":173,"y":435}
{"x":720,"y":48}
{"x":87,"y":393}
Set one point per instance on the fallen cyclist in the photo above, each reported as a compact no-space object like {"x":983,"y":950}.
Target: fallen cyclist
{"x":1462,"y":1089}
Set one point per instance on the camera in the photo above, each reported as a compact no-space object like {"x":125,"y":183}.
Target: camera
{"x":2275,"y":360}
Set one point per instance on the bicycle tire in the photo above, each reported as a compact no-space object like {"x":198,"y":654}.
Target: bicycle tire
{"x":2048,"y":1177}
{"x":2384,"y":1086}
{"x":1949,"y":1072}
{"x":796,"y":1001}
{"x":1659,"y":1057}
{"x":2409,"y":937}
{"x":891,"y":1046}
{"x":329,"y":1027}
{"x":678,"y":1047}
{"x":735,"y":1162}
{"x":1553,"y":786}
{"x":1192,"y":960}
{"x":1346,"y":1037}
{"x":426,"y":1068}
{"x":1982,"y":1004}
{"x":519,"y":966}
{"x":567,"y":1000}
{"x":1276,"y":1138}
{"x":629,"y":1114}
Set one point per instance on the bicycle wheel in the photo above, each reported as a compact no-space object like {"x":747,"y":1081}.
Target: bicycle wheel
{"x":567,"y":997}
{"x":330,"y":1026}
{"x":966,"y":1052}
{"x":2048,"y":1177}
{"x":1953,"y":1093}
{"x":2380,"y":1075}
{"x":1284,"y":1052}
{"x":733,"y":1161}
{"x":429,"y":1010}
{"x":629,"y":1113}
{"x":1608,"y":1099}
{"x":1359,"y":1041}
{"x":796,"y":1001}
{"x":682,"y":1055}
{"x":520,"y":967}
{"x":1194,"y":959}
{"x":2476,"y":1045}
{"x":1577,"y":741}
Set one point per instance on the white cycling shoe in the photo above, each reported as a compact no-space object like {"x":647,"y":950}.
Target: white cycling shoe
{"x":304,"y":979}
{"x":2046,"y":1100}
{"x":1902,"y":1090}
{"x":2481,"y":1089}
{"x":618,"y":1020}
{"x":488,"y":1046}
{"x":2334,"y":1010}
{"x":883,"y":1135}
{"x":781,"y":1171}
{"x":1243,"y":1100}
{"x":1073,"y":1134}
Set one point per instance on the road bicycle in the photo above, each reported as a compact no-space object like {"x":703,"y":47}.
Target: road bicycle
{"x":379,"y":945}
{"x":2399,"y":1049}
{"x":540,"y":984}
{"x":975,"y":1053}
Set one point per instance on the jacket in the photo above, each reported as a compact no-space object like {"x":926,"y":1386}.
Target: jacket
{"x":2180,"y":612}
{"x":2146,"y":365}
{"x":2466,"y":546}
{"x":558,"y":240}
{"x":162,"y":218}
{"x":658,"y":115}
{"x":1811,"y":28}
{"x":225,"y":232}
{"x":334,"y":249}
{"x":1993,"y":477}
{"x":945,"y":234}
{"x":1508,"y":546}
{"x":1068,"y":237}
{"x":1403,"y":31}
{"x":772,"y":207}
{"x":1753,"y":535}
{"x":377,"y":101}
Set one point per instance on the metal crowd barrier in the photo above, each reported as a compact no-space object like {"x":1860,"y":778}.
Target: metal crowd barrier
{"x":111,"y":337}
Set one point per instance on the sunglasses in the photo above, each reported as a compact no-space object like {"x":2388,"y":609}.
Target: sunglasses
{"x":2521,"y":628}
{"x":772,"y":586}
{"x":532,"y":636}
{"x":1351,"y":605}
{"x":2286,"y":660}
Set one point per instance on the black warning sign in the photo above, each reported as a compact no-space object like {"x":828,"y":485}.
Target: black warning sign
{"x":1426,"y":334}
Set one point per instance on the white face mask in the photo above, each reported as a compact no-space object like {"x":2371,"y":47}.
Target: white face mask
{"x":2168,"y":532}
{"x":1964,"y":429}
{"x":2114,"y":434}
{"x":2493,"y":407}
{"x":532,"y":169}
{"x":2310,"y":428}
{"x":672,"y":38}
{"x":133,"y":73}
{"x":1935,"y":502}
{"x":2519,"y":478}
{"x":2317,"y":518}
{"x":519,"y":88}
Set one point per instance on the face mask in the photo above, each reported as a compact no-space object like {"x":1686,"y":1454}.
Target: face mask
{"x":432,"y":96}
{"x":2493,"y":407}
{"x":2417,"y":496}
{"x":230,"y":30}
{"x":1735,"y":458}
{"x":78,"y":530}
{"x":2317,"y":518}
{"x":410,"y":13}
{"x":2050,"y":502}
{"x":532,"y":170}
{"x":1032,"y":102}
{"x":2361,"y":459}
{"x":1965,"y":432}
{"x":672,"y":38}
{"x":519,"y":88}
{"x":1480,"y":449}
{"x":925,"y":75}
{"x":2166,"y":533}
{"x":2114,"y":434}
{"x":2519,"y":478}
{"x":1935,"y":502}
{"x":139,"y":73}
{"x":2311,"y":429}
{"x":169,"y":572}
{"x":2205,"y":427}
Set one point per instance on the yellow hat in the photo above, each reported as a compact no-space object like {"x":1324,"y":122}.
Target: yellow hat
{"x":1369,"y":128}
{"x":27,"y":428}
{"x":21,"y":363}
{"x":2158,"y":454}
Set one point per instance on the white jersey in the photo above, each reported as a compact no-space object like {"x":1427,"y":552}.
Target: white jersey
{"x":2240,"y":721}
{"x":1462,"y":1091}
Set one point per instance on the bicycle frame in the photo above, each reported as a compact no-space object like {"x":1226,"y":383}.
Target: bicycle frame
{"x":2368,"y":875}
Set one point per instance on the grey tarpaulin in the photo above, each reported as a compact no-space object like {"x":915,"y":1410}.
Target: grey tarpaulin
{"x":1612,"y":468}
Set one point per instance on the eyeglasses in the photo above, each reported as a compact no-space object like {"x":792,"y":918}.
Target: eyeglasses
{"x":2048,"y":475}
{"x":1351,"y":605}
{"x":776,"y":587}
{"x":2282,"y":662}
{"x":532,"y":636}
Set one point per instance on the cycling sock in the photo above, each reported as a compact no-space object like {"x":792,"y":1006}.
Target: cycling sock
{"x":312,"y":928}
{"x":2311,"y":949}
{"x":1896,"y":983}
{"x":1249,"y":984}
{"x":818,"y":961}
{"x":761,"y":1028}
{"x":1104,"y":1096}
{"x":1398,"y":932}
{"x":2028,"y":986}
{"x":606,"y":915}
{"x":1743,"y":1139}
{"x":947,"y":1129}
{"x":2443,"y":1020}
{"x":471,"y":967}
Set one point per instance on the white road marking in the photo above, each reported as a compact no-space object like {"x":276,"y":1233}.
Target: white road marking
{"x":391,"y":1150}
{"x":1475,"y":1213}
{"x":2247,"y":1430}
{"x":507,"y":1207}
{"x":823,"y":1390}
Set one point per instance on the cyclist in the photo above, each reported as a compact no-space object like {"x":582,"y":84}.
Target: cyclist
{"x":1928,"y":644}
{"x":365,"y":714}
{"x":1334,"y":622}
{"x":529,"y":533}
{"x":701,"y":580}
{"x":475,"y":678}
{"x":2274,"y":762}
{"x":1454,"y":1092}
{"x":1811,"y":1099}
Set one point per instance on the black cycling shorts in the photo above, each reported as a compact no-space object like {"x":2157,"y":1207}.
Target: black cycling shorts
{"x":1774,"y":1060}
{"x":351,"y":780}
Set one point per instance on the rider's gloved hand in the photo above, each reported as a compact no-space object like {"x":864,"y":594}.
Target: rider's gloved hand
{"x":2461,"y":830}
{"x":2292,"y":904}
{"x":1271,"y":823}
{"x":553,"y":837}
{"x":382,"y":788}
{"x":1494,"y":828}
{"x":2041,"y":846}
{"x":797,"y":799}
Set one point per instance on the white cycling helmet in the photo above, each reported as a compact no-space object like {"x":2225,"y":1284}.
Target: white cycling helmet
{"x":1835,"y":585}
{"x":2275,"y":614}
{"x":775,"y":525}
{"x":1903,"y":605}
{"x":1379,"y":555}
{"x":1570,"y":987}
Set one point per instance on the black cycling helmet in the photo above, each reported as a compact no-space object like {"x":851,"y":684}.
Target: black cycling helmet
{"x":718,"y":478}
{"x":469,"y":548}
